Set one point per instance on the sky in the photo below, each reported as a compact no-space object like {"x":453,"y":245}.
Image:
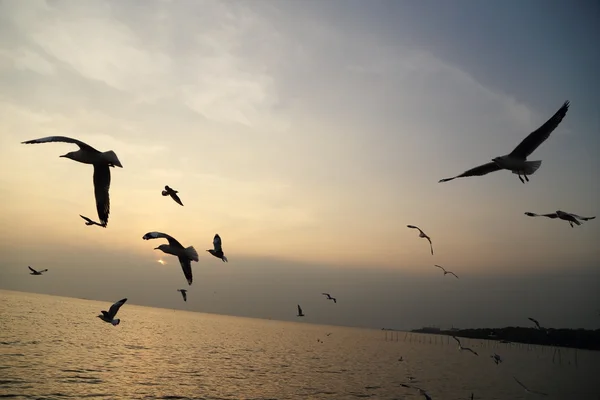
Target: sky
{"x":308,"y":135}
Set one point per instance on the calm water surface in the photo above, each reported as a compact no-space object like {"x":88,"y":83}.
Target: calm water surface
{"x":56,"y":348}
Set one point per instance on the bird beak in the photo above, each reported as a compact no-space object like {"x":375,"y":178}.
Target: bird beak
{"x":156,"y":248}
{"x":63,"y":155}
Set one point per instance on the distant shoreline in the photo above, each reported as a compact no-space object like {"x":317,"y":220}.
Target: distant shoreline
{"x":584,"y":339}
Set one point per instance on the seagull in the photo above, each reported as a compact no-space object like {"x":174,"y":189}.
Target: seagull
{"x":173,"y":193}
{"x":537,"y":324}
{"x":34,"y":272}
{"x":516,"y":161}
{"x":460,"y":347}
{"x":446,"y":272}
{"x":422,"y":235}
{"x":112,"y":311}
{"x":329,"y":297}
{"x":91,"y":222}
{"x":101,"y":162}
{"x":528,"y":390}
{"x":218,"y":250}
{"x":328,"y":334}
{"x":185,"y":254}
{"x":569,"y":217}
{"x":300,"y":313}
{"x":496,"y":358}
{"x":183,"y":294}
{"x":421,"y":391}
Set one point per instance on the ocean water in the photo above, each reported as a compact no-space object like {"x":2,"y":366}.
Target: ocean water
{"x":55,"y":348}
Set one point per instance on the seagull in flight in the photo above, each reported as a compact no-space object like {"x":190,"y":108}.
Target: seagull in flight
{"x":185,"y":254}
{"x":569,"y":217}
{"x":112,"y":312}
{"x":516,"y":161}
{"x":173,"y":193}
{"x":529,"y":390}
{"x":217,"y":251}
{"x":101,"y":162}
{"x":446,"y":272}
{"x":460,"y":347}
{"x":421,"y":391}
{"x":422,"y":235}
{"x":300,"y":313}
{"x":183,"y":294}
{"x":88,"y":221}
{"x":329,"y":297}
{"x":34,"y":272}
{"x":497,"y":359}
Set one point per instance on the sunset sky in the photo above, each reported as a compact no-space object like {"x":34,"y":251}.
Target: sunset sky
{"x":308,"y":134}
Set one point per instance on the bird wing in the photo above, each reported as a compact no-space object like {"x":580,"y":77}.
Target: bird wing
{"x":186,"y":266}
{"x":86,"y":218}
{"x":430,"y":244}
{"x":453,"y":274}
{"x":534,"y":321}
{"x":63,"y":139}
{"x":101,"y":186}
{"x":582,"y":218}
{"x":32,"y":270}
{"x":457,"y":341}
{"x":439,"y":266}
{"x":184,"y":294}
{"x":477,"y":171}
{"x":414,"y":227}
{"x":157,"y":235}
{"x":551,"y":215}
{"x":537,"y":137}
{"x":217,"y":242}
{"x":176,"y":198}
{"x":299,"y":309}
{"x":44,"y":270}
{"x":112,"y":311}
{"x":326,"y":294}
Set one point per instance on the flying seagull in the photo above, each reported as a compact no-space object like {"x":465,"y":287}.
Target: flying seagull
{"x":497,"y":359}
{"x":183,"y":294}
{"x":421,"y":391}
{"x":34,"y":272}
{"x":101,"y":162}
{"x":422,"y":235}
{"x":173,"y":193}
{"x":300,"y":313}
{"x":112,"y":312}
{"x":460,"y":346}
{"x":569,"y":217}
{"x":218,"y":250}
{"x":528,"y":390}
{"x":88,"y":221}
{"x":185,"y":254}
{"x":516,"y":161}
{"x":329,"y":297}
{"x":446,"y":272}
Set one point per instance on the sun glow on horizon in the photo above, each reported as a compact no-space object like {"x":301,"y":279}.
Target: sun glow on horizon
{"x":161,"y":262}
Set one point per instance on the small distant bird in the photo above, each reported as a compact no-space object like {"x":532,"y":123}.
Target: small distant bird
{"x":516,"y":161}
{"x":183,"y":294}
{"x":217,"y":251}
{"x":34,"y":272}
{"x":537,"y":324}
{"x":300,"y":313}
{"x":529,"y":390}
{"x":497,"y":359}
{"x":329,"y":297}
{"x":185,"y":254}
{"x":328,"y":334}
{"x":569,"y":217}
{"x":112,"y":312}
{"x":421,"y":391}
{"x":101,"y":162}
{"x":446,"y":272}
{"x":422,"y":235}
{"x":173,"y":193}
{"x":460,"y":346}
{"x":91,"y":222}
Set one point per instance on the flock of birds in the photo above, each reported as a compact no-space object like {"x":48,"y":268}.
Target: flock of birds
{"x":515,"y":162}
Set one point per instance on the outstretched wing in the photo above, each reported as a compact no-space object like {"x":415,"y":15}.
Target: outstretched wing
{"x":439,"y":266}
{"x":299,"y":309}
{"x":477,"y":171}
{"x":453,"y":274}
{"x":63,"y":139}
{"x":86,"y":218}
{"x":101,"y":186}
{"x":534,"y":321}
{"x":457,"y":341}
{"x":326,"y":294}
{"x":186,"y":266}
{"x":44,"y":270}
{"x":537,"y":137}
{"x":114,"y":309}
{"x":582,"y":218}
{"x":430,"y":244}
{"x":415,"y":227}
{"x":552,"y":215}
{"x":217,"y":243}
{"x":176,"y":198}
{"x":157,"y":235}
{"x":32,"y":270}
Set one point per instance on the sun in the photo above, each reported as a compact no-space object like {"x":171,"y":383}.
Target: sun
{"x":161,"y":262}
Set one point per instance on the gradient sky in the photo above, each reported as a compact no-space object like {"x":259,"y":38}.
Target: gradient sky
{"x":308,"y":134}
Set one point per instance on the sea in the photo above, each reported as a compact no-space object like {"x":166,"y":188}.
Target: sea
{"x":55,"y":348}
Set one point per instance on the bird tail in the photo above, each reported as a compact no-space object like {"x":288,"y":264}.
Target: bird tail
{"x":531,"y":167}
{"x":111,"y":157}
{"x":192,"y":253}
{"x":115,"y":322}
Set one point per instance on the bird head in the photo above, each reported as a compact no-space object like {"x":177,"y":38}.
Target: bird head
{"x":162,"y":247}
{"x":69,"y":155}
